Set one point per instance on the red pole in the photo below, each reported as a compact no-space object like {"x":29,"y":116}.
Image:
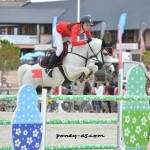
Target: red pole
{"x":120,"y":48}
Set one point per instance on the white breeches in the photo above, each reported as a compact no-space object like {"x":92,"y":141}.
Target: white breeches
{"x":59,"y":41}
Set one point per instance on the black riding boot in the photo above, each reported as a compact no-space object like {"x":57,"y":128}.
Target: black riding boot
{"x":51,"y":64}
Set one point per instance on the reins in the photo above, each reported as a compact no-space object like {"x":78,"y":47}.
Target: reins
{"x":95,"y":55}
{"x":87,"y":58}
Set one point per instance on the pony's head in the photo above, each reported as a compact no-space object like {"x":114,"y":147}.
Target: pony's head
{"x":103,"y":52}
{"x":107,"y":49}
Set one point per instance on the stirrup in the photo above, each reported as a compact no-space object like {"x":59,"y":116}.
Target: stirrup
{"x":49,"y":73}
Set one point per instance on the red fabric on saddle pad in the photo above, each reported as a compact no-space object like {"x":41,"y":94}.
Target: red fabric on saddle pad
{"x":37,"y":73}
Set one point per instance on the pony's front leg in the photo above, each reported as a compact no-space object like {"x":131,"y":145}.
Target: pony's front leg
{"x":75,"y":72}
{"x":93,"y":68}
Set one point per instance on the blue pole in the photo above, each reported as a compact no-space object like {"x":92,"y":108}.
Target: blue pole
{"x":53,"y":25}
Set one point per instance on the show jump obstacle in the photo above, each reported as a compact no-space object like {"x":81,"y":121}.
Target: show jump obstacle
{"x":135,"y":117}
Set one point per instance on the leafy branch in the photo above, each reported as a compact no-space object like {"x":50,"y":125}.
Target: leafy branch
{"x":9,"y":53}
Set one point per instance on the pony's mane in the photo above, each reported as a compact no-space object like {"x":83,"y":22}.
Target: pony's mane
{"x":96,"y":40}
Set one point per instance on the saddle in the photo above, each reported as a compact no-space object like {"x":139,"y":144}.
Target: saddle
{"x":64,"y":53}
{"x":45,"y":60}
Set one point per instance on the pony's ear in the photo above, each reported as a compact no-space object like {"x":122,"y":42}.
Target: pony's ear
{"x":113,"y":43}
{"x":103,"y":43}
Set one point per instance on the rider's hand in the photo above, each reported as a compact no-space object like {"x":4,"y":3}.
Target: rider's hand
{"x":88,"y":40}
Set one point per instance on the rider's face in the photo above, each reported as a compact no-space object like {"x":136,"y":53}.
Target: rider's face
{"x":86,"y":26}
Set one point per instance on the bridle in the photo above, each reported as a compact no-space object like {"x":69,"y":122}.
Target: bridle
{"x":102,"y":56}
{"x":94,"y":55}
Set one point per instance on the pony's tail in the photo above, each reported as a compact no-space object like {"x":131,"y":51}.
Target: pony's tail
{"x":21,"y":72}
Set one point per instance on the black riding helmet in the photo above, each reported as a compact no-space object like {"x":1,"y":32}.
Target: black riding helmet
{"x":86,"y":19}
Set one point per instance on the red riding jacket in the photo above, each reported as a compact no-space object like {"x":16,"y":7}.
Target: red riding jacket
{"x":61,"y":28}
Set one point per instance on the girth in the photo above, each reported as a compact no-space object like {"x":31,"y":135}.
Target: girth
{"x":67,"y":81}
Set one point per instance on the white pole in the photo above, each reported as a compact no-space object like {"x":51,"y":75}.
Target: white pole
{"x":78,"y":10}
{"x":43,"y":113}
{"x":78,"y":14}
{"x":41,"y":1}
{"x":141,"y":45}
{"x":60,"y":90}
{"x":120,"y":81}
{"x":120,"y":109}
{"x":60,"y":102}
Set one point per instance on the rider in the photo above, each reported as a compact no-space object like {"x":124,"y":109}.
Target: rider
{"x":70,"y":31}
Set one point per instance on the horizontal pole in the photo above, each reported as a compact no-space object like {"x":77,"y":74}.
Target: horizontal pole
{"x":99,"y":98}
{"x":8,"y":97}
{"x":5,"y":122}
{"x":12,"y":97}
{"x":77,"y":147}
{"x":6,"y":148}
{"x":81,"y":121}
{"x":9,"y":89}
{"x":72,"y":147}
{"x":87,"y":97}
{"x":71,"y":121}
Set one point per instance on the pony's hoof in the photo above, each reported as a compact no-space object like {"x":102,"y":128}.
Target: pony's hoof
{"x":81,"y":80}
{"x":89,"y":75}
{"x":82,"y":77}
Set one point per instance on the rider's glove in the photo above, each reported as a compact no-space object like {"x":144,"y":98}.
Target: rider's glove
{"x":88,"y":40}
